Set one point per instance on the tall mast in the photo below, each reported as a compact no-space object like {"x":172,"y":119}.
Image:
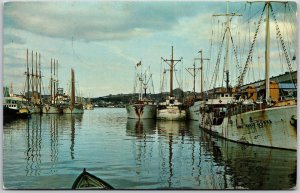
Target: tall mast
{"x":72,"y":88}
{"x":171,"y":72}
{"x":40,"y":77}
{"x":54,"y":83}
{"x":227,"y":31}
{"x":36,"y":78}
{"x":201,"y":71}
{"x":27,"y":75}
{"x":194,"y":76}
{"x":172,"y":65}
{"x":267,"y":51}
{"x":32,"y":76}
{"x":57,"y":73}
{"x":227,"y":47}
{"x":51,"y":80}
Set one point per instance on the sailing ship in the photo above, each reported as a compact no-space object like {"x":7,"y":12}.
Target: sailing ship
{"x":33,"y":82}
{"x":171,"y":108}
{"x":73,"y":107}
{"x":246,"y":118}
{"x":52,"y":106}
{"x":144,"y":107}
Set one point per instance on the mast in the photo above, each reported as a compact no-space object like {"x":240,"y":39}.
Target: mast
{"x":27,"y":76}
{"x":267,"y":51}
{"x":227,"y":47}
{"x":201,"y":71}
{"x":54,"y":84}
{"x":194,"y":76}
{"x":36,"y":79}
{"x":72,"y":88}
{"x":172,"y":66}
{"x":227,"y":31}
{"x":171,"y":73}
{"x":57,"y":73}
{"x":40,"y":78}
{"x":51,"y":92}
{"x":32,"y":76}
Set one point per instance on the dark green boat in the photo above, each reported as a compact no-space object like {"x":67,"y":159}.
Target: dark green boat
{"x":87,"y":181}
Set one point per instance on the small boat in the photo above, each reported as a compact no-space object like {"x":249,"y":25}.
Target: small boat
{"x":88,"y":181}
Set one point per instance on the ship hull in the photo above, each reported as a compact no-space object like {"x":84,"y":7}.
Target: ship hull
{"x":51,"y":109}
{"x":171,"y":113}
{"x":73,"y":110}
{"x":142,"y":111}
{"x":36,"y":109}
{"x":193,"y":112}
{"x":271,"y":127}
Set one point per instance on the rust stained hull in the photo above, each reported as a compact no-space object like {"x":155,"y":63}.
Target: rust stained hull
{"x":141,"y":111}
{"x":272,"y":127}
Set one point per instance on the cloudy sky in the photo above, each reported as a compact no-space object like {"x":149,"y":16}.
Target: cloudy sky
{"x":103,"y":40}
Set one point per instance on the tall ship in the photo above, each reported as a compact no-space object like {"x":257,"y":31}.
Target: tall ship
{"x":33,"y":85}
{"x":171,"y":108}
{"x":72,"y":106}
{"x":144,"y":107}
{"x":255,"y":114}
{"x":52,"y":106}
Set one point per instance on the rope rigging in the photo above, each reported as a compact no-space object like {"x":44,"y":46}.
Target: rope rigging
{"x":283,"y":45}
{"x":249,"y":58}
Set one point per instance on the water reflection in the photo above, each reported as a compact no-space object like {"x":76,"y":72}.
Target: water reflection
{"x":33,"y":150}
{"x":48,"y":129}
{"x":49,"y":151}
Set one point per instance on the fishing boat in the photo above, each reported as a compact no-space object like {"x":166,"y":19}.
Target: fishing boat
{"x":256,"y":116}
{"x":87,"y":181}
{"x":144,"y":107}
{"x":15,"y":107}
{"x":73,"y":107}
{"x":171,"y":108}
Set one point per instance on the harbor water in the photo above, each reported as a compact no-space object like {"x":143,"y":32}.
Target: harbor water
{"x":50,"y":151}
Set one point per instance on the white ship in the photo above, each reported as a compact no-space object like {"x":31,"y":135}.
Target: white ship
{"x":171,"y":108}
{"x":144,"y":107}
{"x":270,"y":122}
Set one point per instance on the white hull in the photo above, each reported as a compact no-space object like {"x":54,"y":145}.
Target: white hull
{"x":171,"y":113}
{"x":74,"y":110}
{"x":141,"y":111}
{"x":35,"y":109}
{"x":51,"y":109}
{"x":271,"y":127}
{"x":193,"y":112}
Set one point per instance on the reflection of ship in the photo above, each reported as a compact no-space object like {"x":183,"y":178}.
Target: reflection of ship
{"x":253,"y":167}
{"x":73,"y":107}
{"x":171,"y":108}
{"x":144,"y":107}
{"x":140,"y":127}
{"x":247,"y":119}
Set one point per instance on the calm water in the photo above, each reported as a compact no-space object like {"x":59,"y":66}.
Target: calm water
{"x":50,"y":151}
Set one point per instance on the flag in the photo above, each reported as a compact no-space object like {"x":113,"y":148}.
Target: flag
{"x":138,"y":64}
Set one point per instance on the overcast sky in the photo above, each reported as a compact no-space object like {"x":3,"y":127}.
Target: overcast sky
{"x":103,"y":41}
